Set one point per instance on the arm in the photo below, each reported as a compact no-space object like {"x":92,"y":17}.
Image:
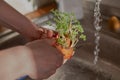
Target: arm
{"x":47,"y":57}
{"x":12,"y":19}
{"x":31,"y":59}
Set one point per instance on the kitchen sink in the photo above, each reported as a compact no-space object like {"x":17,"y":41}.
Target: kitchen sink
{"x":14,"y":41}
{"x":80,"y":66}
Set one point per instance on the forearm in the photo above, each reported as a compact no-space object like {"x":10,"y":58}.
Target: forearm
{"x":15,"y":63}
{"x":12,"y":19}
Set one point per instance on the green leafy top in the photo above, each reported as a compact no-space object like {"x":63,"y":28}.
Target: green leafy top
{"x":67,"y":26}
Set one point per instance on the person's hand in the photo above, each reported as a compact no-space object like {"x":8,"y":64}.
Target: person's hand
{"x":40,"y":33}
{"x":47,"y":58}
{"x":38,"y":60}
{"x":46,"y":33}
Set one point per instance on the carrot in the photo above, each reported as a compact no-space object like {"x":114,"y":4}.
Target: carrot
{"x":69,"y":31}
{"x":67,"y":52}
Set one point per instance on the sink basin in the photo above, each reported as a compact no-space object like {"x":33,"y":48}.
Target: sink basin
{"x":80,"y":66}
{"x":13,"y":41}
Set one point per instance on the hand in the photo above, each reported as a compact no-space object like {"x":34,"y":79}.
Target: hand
{"x":46,"y":57}
{"x":46,"y":33}
{"x":38,"y":59}
{"x":42,"y":33}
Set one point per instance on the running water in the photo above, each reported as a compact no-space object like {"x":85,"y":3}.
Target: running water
{"x":97,"y":17}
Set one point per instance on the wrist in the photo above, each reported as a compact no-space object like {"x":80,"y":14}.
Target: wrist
{"x":34,"y":34}
{"x":29,"y":63}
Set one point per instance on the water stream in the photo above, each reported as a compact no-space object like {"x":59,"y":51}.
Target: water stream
{"x":97,"y":17}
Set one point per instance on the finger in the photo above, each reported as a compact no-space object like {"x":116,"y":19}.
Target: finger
{"x":40,"y":29}
{"x":50,"y":33}
{"x":55,"y":35}
{"x":42,"y":33}
{"x":46,"y":33}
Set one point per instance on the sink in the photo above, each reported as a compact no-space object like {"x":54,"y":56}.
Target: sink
{"x":80,"y":66}
{"x":14,"y":40}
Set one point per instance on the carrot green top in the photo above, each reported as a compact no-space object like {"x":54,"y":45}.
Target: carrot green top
{"x":67,"y":26}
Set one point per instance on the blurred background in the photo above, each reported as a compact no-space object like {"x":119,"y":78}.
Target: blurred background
{"x":109,"y":8}
{"x":80,"y":67}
